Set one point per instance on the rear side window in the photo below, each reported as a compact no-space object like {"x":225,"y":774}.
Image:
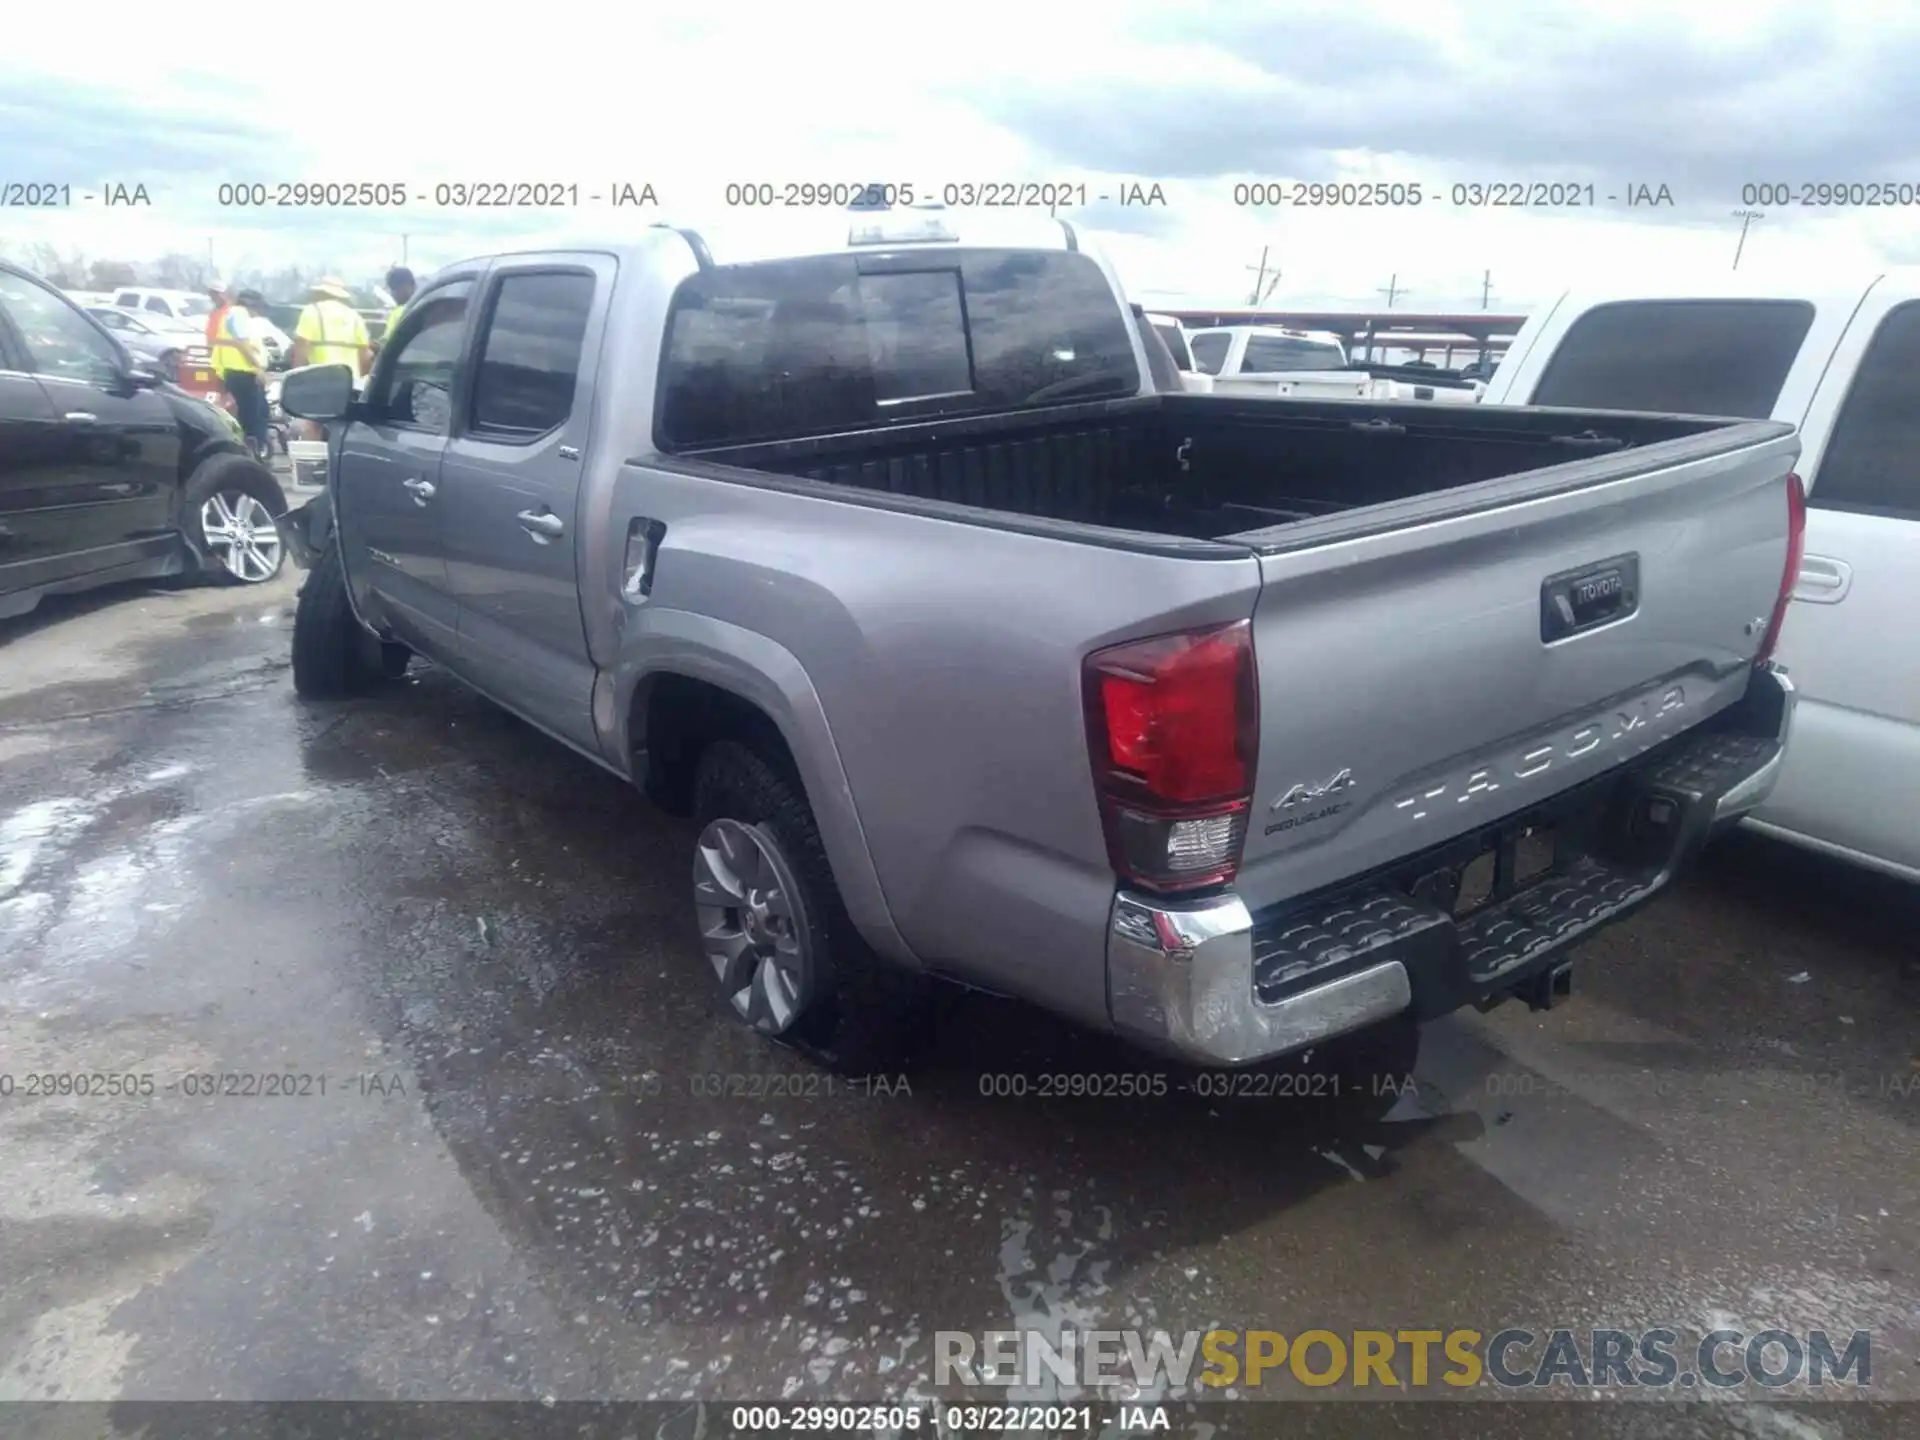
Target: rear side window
{"x":807,"y":347}
{"x":1176,"y":342}
{"x":154,"y":302}
{"x":530,"y":356}
{"x":1210,"y":351}
{"x":1679,"y":357}
{"x":1160,"y":363}
{"x":1872,"y":462}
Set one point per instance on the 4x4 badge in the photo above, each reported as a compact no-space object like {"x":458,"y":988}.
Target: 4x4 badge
{"x":1302,"y":794}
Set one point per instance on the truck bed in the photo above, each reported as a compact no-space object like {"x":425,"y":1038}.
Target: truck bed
{"x":1211,"y":467}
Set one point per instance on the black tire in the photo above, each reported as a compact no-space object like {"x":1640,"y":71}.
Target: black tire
{"x":394,"y":659}
{"x":333,"y":656}
{"x":230,"y":475}
{"x":861,"y":1014}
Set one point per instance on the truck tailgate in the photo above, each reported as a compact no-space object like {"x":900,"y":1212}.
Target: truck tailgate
{"x":1429,"y":667}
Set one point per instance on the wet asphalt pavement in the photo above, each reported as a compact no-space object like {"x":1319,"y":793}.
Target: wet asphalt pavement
{"x":527,"y":1155}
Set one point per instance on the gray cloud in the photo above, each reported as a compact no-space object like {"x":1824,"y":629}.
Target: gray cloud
{"x":86,"y":139}
{"x":67,"y":136}
{"x":1156,"y":222}
{"x":1904,"y":249}
{"x":1539,"y":94}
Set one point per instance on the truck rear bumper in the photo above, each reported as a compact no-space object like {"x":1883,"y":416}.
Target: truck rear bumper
{"x":1211,"y":981}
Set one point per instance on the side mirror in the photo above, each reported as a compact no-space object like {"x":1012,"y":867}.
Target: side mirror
{"x":318,"y":392}
{"x":141,"y":376}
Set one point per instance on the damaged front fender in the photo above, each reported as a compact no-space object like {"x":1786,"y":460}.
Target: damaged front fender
{"x":306,"y":532}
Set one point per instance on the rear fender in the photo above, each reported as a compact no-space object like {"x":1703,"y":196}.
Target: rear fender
{"x":767,"y":674}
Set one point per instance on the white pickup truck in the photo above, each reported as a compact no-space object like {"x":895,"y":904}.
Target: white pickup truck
{"x":1313,"y":365}
{"x":1842,"y":363}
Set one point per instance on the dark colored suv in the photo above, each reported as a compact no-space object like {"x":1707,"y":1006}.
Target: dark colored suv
{"x":107,"y":471}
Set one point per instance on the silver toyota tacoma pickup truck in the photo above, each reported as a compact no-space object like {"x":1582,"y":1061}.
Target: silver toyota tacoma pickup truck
{"x":1226,"y":724}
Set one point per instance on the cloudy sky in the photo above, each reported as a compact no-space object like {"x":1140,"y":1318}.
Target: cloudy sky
{"x":1701,"y":98}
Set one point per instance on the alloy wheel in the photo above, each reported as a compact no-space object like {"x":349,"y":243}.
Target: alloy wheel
{"x":242,"y":533}
{"x":753,"y":924}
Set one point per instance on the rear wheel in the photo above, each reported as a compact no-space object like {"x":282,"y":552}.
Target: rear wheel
{"x":784,"y":954}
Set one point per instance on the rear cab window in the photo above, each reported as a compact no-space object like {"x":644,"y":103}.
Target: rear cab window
{"x":790,"y":348}
{"x":1678,"y":357}
{"x":1268,"y":353}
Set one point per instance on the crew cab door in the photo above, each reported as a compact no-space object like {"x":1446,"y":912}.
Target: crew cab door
{"x":112,"y":462}
{"x":387,"y":498}
{"x":512,"y":486}
{"x":1850,"y":641}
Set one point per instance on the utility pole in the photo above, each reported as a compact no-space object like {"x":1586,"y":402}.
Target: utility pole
{"x":1391,"y":289}
{"x":1746,"y":219}
{"x":1486,"y":288}
{"x":1263,"y":283}
{"x":403,"y":249}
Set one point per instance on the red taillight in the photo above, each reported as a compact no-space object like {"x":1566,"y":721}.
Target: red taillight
{"x":1790,"y":576}
{"x":1173,"y":729}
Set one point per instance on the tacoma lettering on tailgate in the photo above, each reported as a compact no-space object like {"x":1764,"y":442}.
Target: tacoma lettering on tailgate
{"x":1641,"y":721}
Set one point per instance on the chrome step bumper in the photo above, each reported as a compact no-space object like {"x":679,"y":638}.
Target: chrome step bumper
{"x":1210,"y":981}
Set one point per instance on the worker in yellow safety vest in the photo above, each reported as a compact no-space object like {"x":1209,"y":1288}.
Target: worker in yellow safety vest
{"x":239,"y":359}
{"x":400,"y":285}
{"x":221,"y":297}
{"x":331,"y":332}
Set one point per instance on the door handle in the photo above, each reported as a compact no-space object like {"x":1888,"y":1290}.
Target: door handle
{"x":82,"y":417}
{"x":1822,"y":581}
{"x":422,"y":490}
{"x":543,"y":525}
